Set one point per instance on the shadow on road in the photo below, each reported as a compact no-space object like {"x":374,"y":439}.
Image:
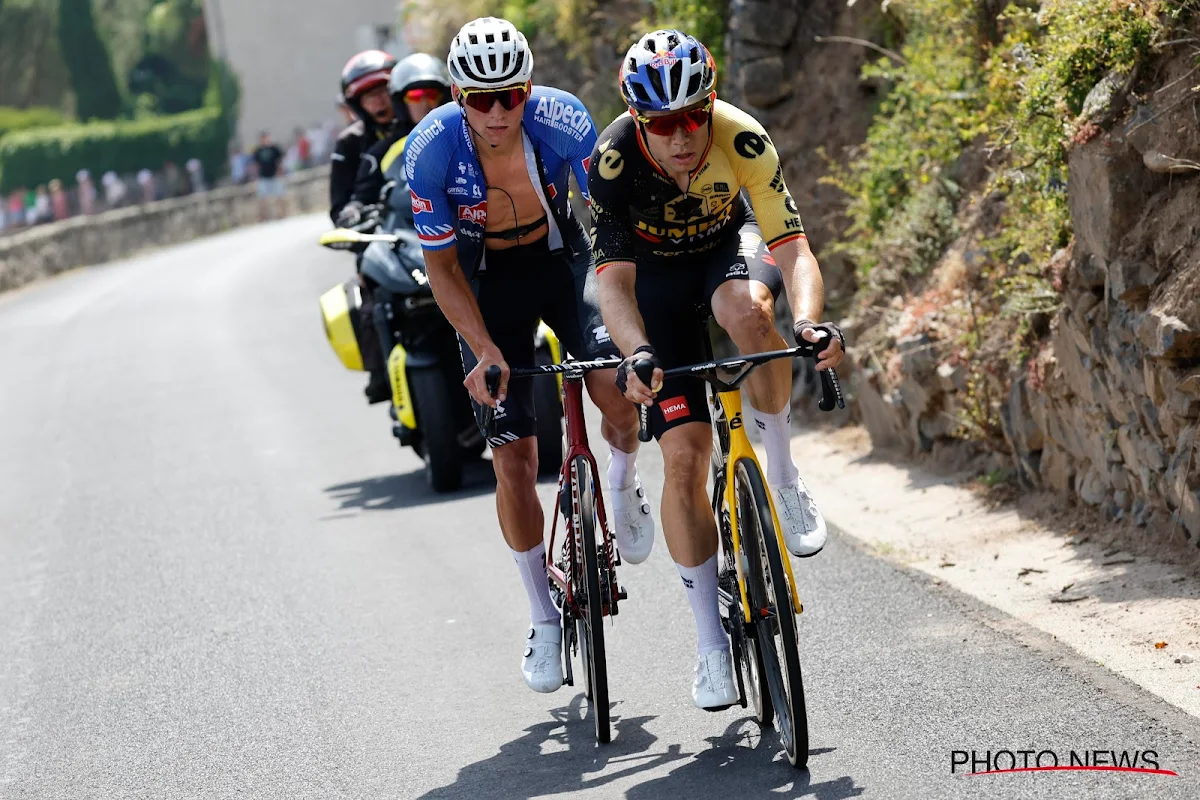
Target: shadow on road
{"x":740,"y":764}
{"x":522,"y":769}
{"x":410,"y":489}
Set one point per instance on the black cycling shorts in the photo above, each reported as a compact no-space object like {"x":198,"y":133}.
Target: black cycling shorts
{"x":519,"y":286}
{"x":674,"y":295}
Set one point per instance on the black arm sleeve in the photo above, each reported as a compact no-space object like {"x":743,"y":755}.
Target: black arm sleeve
{"x":346,"y":155}
{"x":368,"y":183}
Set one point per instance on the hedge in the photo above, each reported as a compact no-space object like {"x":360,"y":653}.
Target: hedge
{"x":33,"y":157}
{"x":17,"y":119}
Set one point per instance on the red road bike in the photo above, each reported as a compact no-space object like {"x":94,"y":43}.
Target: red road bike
{"x":583,"y":578}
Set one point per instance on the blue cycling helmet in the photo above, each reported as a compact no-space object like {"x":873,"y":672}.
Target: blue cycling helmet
{"x":667,"y":70}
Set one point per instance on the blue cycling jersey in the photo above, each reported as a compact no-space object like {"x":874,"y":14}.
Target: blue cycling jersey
{"x":447,"y":185}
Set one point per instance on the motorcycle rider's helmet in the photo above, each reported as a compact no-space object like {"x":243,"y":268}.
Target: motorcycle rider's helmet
{"x":489,"y":53}
{"x":667,"y":70}
{"x":416,"y":72}
{"x":362,"y":73}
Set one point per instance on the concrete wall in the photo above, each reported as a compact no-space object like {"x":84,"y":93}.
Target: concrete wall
{"x":82,"y":241}
{"x":289,"y":54}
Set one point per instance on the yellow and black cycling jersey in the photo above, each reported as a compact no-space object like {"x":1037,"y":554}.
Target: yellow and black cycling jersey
{"x":638,"y":211}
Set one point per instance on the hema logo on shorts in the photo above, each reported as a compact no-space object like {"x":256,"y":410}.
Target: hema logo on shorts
{"x":674,"y":407}
{"x":563,"y":115}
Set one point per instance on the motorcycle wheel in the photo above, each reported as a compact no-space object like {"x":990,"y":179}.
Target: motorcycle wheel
{"x":435,"y":418}
{"x":548,"y":405}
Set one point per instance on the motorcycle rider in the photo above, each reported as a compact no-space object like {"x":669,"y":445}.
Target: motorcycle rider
{"x":364,"y":88}
{"x":418,"y":84}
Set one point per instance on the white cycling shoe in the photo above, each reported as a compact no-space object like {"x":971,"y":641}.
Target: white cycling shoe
{"x":714,"y":688}
{"x":633,"y":525}
{"x":541,"y":664}
{"x":803,"y":526}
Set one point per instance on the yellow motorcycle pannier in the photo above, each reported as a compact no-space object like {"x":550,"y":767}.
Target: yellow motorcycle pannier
{"x":340,"y":309}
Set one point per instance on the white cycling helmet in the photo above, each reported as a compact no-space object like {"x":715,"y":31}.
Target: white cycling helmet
{"x":489,"y":53}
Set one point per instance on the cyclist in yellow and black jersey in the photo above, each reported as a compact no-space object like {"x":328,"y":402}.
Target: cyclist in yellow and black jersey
{"x":640,"y":211}
{"x":691,"y":214}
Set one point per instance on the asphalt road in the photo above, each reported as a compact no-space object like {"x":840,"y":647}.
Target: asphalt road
{"x":220,"y":577}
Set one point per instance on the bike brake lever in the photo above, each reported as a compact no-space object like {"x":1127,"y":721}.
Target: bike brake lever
{"x":831,"y":391}
{"x":492,"y":379}
{"x":644,"y":369}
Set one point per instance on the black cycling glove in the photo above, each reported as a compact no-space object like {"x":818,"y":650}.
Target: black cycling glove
{"x":829,"y":328}
{"x":351,"y":215}
{"x":643,"y":353}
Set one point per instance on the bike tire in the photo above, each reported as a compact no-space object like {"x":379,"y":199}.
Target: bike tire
{"x":775,"y":633}
{"x":746,"y":653}
{"x":439,"y":434}
{"x":592,"y":639}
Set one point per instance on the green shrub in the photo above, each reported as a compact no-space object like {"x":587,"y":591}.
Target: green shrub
{"x":33,"y":157}
{"x":18,"y":119}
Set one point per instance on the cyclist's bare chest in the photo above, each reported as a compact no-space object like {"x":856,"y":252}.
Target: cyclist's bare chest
{"x":512,"y":200}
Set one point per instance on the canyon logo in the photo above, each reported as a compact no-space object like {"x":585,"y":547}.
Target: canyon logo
{"x":997,"y":762}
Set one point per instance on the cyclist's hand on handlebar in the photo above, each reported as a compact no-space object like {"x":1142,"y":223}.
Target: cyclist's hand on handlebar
{"x":350,"y":215}
{"x":476,"y":381}
{"x":630,"y":382}
{"x":808,"y":332}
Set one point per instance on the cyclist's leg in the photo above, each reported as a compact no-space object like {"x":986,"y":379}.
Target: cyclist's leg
{"x":571,"y":306}
{"x":667,"y":297}
{"x":743,"y":287}
{"x":503,"y":293}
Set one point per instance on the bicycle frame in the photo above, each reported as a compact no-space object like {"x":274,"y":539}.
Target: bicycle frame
{"x":740,"y":449}
{"x":577,"y":445}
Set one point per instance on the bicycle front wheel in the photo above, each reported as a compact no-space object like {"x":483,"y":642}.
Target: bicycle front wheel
{"x":590,"y":601}
{"x":771,"y":612}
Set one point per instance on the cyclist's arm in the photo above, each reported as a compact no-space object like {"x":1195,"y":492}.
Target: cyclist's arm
{"x":455,"y":298}
{"x":760,"y":173}
{"x":618,"y":306}
{"x":612,"y":247}
{"x":801,"y":278}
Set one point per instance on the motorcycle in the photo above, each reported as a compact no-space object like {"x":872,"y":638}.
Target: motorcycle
{"x":430,"y":408}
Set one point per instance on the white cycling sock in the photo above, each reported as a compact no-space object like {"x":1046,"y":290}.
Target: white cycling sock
{"x":532,"y":566}
{"x":777,"y":440}
{"x":701,"y":585}
{"x":620,"y":468}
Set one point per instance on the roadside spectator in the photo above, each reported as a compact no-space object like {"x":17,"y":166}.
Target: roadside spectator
{"x":303,"y":148}
{"x":87,"y":192}
{"x":239,"y":165}
{"x":172,"y":181}
{"x":16,"y":208}
{"x":58,"y":200}
{"x":42,"y":211}
{"x":114,"y":189}
{"x":145,"y":179}
{"x":196,"y":175}
{"x":30,"y":206}
{"x":268,"y":158}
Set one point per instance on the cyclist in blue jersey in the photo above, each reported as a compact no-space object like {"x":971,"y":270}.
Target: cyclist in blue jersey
{"x":488,"y":176}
